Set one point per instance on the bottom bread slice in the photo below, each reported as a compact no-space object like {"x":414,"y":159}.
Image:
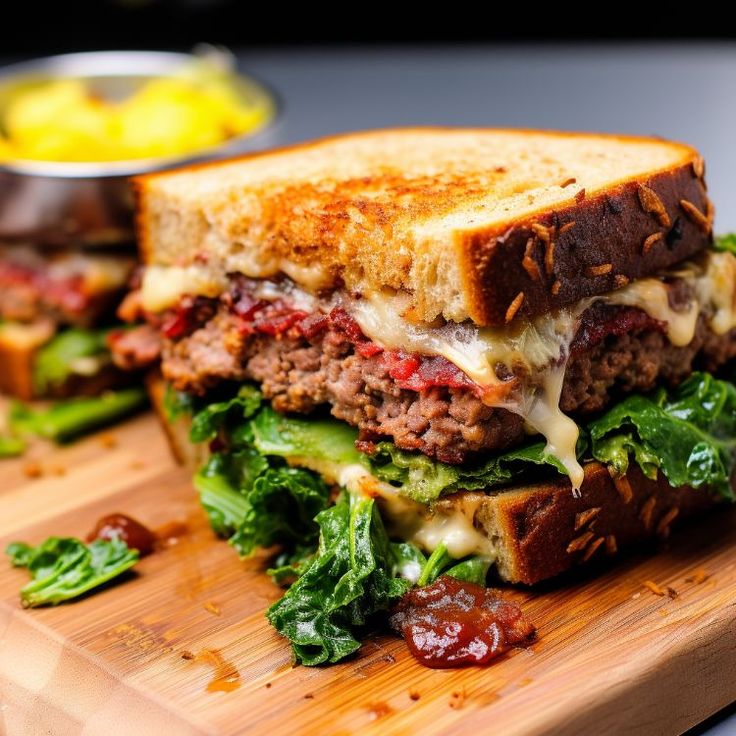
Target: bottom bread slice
{"x":543,"y":530}
{"x":539,"y":530}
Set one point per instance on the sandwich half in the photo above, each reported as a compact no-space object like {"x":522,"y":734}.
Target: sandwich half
{"x":56,"y":309}
{"x":457,"y":349}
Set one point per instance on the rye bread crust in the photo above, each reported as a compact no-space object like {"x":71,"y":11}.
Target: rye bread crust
{"x":543,"y":530}
{"x":377,"y":215}
{"x":599,"y":244}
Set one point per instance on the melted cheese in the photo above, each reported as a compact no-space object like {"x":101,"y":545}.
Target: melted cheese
{"x":426,"y":526}
{"x":164,"y":286}
{"x":652,"y":297}
{"x":717,"y":288}
{"x":539,"y":349}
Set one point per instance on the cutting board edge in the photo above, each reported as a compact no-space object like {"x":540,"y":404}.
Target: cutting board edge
{"x":46,"y":703}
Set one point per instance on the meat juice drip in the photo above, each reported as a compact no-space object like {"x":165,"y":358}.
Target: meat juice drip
{"x":226,"y":676}
{"x":453,"y":623}
{"x":132,"y":532}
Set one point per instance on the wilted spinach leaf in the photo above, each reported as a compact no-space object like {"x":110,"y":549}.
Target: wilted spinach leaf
{"x":63,"y":568}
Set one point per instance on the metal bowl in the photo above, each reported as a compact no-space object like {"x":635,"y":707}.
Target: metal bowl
{"x":52,"y":203}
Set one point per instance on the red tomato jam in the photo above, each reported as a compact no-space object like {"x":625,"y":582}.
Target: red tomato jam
{"x":452,"y":623}
{"x":120,"y":526}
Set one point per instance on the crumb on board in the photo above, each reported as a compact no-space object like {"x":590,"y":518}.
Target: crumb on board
{"x":457,"y":699}
{"x":108,"y":440}
{"x":33,"y":469}
{"x":309,"y":696}
{"x":671,"y":592}
{"x":656,"y":589}
{"x":414,"y":695}
{"x":186,"y":654}
{"x":213,"y":608}
{"x":379,"y":709}
{"x":699,"y":576}
{"x":268,"y":684}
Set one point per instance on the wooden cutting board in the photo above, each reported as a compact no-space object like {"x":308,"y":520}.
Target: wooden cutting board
{"x":612,"y":657}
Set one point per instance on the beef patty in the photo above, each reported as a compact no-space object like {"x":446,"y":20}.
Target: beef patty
{"x":304,"y":363}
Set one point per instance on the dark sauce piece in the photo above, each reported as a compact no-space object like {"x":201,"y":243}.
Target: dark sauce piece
{"x":452,"y":623}
{"x":132,"y":532}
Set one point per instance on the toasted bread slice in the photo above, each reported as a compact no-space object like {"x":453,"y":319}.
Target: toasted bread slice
{"x":486,"y":225}
{"x":543,"y":530}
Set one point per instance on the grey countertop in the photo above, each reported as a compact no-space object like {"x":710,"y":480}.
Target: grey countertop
{"x":684,"y":92}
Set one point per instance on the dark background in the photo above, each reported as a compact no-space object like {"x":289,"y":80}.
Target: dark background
{"x":39,"y":28}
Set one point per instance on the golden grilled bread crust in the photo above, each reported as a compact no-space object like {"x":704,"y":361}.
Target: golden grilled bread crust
{"x":481,"y":224}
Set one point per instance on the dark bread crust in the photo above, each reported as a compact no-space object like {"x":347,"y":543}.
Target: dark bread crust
{"x":568,"y":251}
{"x":536,"y":526}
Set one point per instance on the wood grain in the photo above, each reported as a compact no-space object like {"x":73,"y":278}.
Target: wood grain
{"x":611,"y":658}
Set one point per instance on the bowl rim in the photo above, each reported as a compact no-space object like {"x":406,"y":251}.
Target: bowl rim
{"x":118,"y":63}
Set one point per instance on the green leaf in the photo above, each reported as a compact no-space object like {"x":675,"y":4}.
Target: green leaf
{"x":11,"y":446}
{"x":689,"y":434}
{"x":178,"y":403}
{"x":437,"y":562}
{"x":349,"y":579}
{"x":290,"y":565}
{"x":282,"y":505}
{"x":409,"y":561}
{"x":207,"y":422}
{"x":424,"y":480}
{"x":65,"y":420}
{"x":63,"y":568}
{"x":473,"y":570}
{"x":275,"y":434}
{"x":224,"y":504}
{"x":64,"y":356}
{"x":257,"y":505}
{"x":726,"y":243}
{"x":20,"y":553}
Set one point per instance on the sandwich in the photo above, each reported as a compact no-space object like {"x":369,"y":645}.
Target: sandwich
{"x":494,"y":354}
{"x":56,"y":308}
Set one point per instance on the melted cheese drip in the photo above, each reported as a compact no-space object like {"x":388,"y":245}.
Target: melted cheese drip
{"x":540,"y":348}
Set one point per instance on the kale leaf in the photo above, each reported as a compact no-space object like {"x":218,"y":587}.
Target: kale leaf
{"x":207,"y":422}
{"x":327,"y":439}
{"x":726,"y":243}
{"x":424,"y":480}
{"x":689,"y":434}
{"x":63,"y":568}
{"x":348,"y":580}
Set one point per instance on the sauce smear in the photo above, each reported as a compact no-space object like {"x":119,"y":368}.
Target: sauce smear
{"x":120,"y":526}
{"x":452,"y":623}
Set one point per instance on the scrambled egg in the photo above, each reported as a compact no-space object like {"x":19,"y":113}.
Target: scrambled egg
{"x":64,"y":121}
